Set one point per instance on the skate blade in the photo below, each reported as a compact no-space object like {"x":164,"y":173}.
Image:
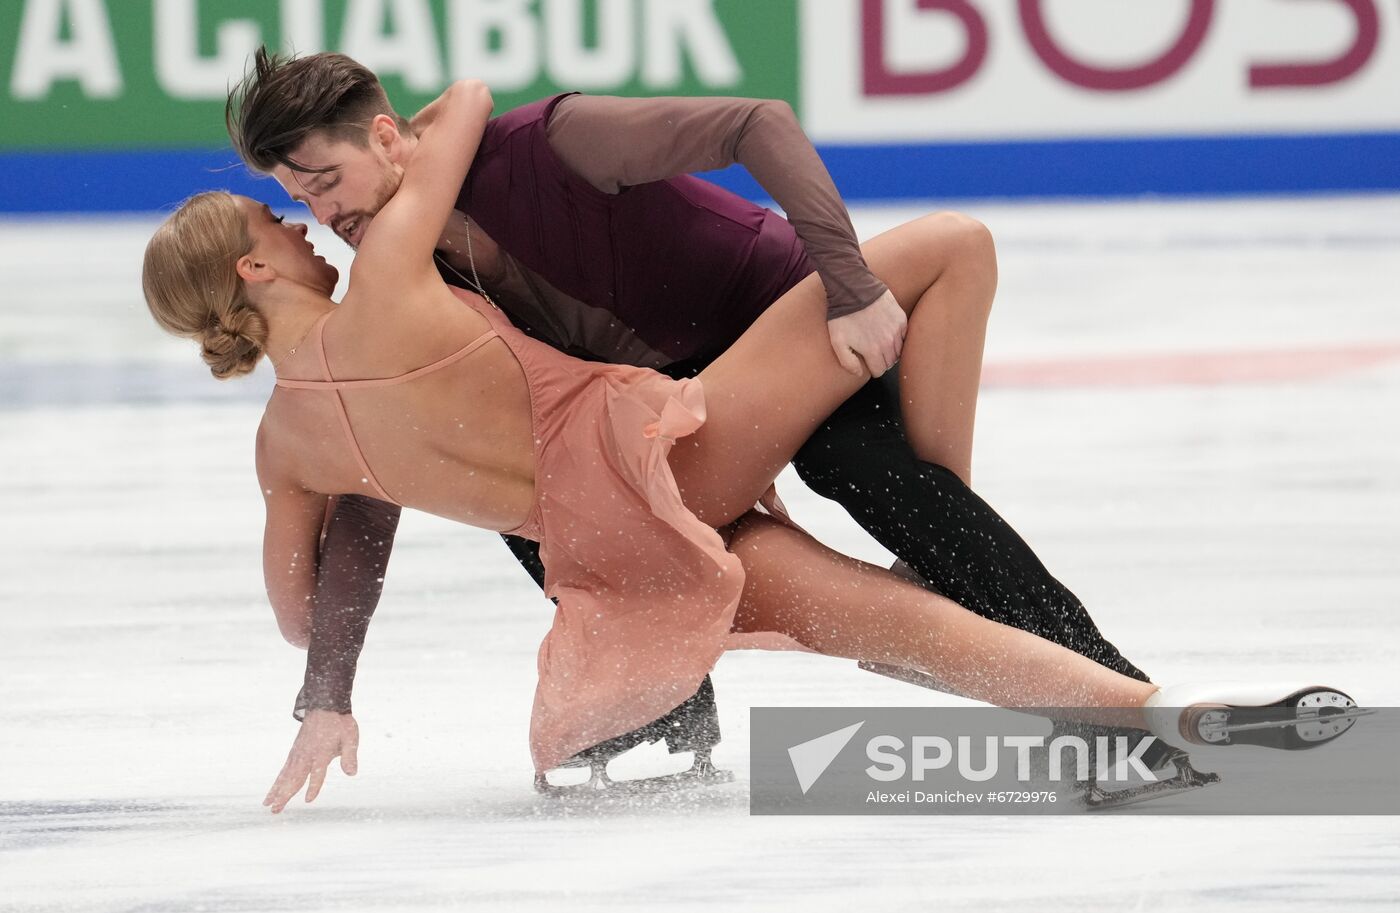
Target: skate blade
{"x":1100,"y":799}
{"x":601,"y":786}
{"x":1315,"y":719}
{"x":1187,"y":779}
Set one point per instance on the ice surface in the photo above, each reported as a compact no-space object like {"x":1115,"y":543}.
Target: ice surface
{"x":1216,"y":524}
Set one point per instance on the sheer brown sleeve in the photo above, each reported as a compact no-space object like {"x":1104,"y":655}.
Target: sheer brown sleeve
{"x":355,"y":547}
{"x":616,"y":142}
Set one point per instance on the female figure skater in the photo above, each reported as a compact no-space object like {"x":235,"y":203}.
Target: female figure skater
{"x":639,"y":488}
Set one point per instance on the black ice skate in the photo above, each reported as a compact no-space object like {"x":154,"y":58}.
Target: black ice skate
{"x":693,"y":727}
{"x":1287,"y":717}
{"x":1090,"y":793}
{"x":1270,"y":716}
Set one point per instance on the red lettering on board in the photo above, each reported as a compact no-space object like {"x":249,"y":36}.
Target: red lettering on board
{"x":1115,"y":79}
{"x":1272,"y":75}
{"x":878,"y":79}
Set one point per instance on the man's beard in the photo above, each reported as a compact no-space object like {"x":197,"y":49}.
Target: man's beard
{"x":383,"y":193}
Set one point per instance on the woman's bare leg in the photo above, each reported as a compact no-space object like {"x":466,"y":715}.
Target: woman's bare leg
{"x":843,"y":607}
{"x":939,"y":379}
{"x":770,"y":390}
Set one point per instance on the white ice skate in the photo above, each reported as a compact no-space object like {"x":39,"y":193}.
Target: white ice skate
{"x":1286,"y":716}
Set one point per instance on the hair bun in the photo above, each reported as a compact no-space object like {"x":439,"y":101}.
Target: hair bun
{"x":231,"y":347}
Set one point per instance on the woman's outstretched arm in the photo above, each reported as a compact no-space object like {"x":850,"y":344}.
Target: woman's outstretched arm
{"x":349,"y":578}
{"x":291,"y":540}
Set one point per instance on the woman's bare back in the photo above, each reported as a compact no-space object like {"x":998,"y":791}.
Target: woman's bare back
{"x":456,"y":442}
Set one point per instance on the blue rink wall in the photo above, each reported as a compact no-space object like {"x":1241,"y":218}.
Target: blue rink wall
{"x":145,"y":180}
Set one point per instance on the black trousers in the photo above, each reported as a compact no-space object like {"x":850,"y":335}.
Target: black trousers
{"x":925,"y":515}
{"x":954,"y":540}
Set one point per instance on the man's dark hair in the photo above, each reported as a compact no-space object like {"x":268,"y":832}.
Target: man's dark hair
{"x":274,"y":108}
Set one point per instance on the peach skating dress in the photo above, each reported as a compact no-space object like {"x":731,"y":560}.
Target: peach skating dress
{"x":646,"y":592}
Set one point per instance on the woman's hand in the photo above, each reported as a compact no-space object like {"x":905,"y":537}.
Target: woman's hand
{"x":324,"y":735}
{"x":430,"y":112}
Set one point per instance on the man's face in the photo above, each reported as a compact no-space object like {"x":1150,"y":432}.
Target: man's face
{"x":360,"y":180}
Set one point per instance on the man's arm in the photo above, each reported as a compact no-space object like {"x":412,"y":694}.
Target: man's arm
{"x":614,"y":143}
{"x":617,"y":142}
{"x":355,"y":547}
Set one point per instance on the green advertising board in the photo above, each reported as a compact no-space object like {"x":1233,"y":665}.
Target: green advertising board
{"x":150,"y":74}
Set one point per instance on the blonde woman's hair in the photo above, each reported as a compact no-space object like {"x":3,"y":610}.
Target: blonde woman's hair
{"x":193,"y":288}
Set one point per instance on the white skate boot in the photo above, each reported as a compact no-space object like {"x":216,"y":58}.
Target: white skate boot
{"x":1288,"y":716}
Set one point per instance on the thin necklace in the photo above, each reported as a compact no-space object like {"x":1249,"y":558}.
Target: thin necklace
{"x":293,"y":350}
{"x":475,"y":280}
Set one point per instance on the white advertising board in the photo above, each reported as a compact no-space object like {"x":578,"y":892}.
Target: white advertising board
{"x":950,"y":70}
